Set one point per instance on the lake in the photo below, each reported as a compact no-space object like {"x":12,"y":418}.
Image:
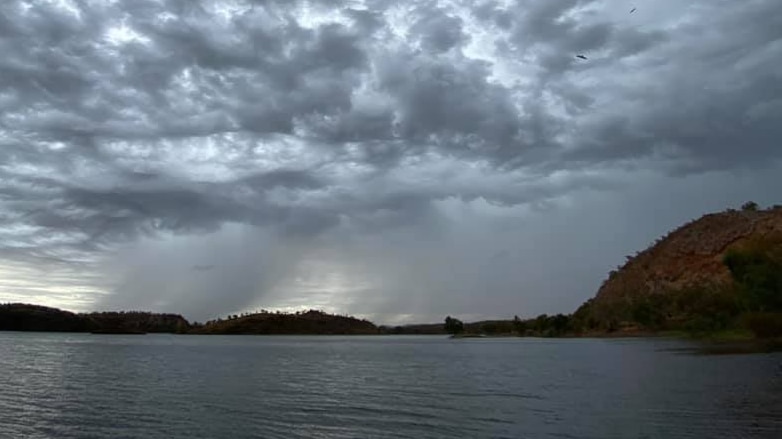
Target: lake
{"x":179,"y":386}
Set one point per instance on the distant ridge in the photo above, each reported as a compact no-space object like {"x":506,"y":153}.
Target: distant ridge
{"x":26,"y":317}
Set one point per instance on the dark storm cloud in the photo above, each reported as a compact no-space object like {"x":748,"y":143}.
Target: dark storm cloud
{"x":125,"y":121}
{"x":442,"y":101}
{"x":551,"y":33}
{"x":439,"y":31}
{"x":715,"y":109}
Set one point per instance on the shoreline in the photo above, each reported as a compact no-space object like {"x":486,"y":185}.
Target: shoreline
{"x":701,"y":345}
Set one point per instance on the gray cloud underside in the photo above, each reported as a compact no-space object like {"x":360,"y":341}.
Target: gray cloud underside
{"x":121,"y":121}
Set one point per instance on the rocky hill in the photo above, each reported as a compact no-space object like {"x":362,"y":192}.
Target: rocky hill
{"x":684,"y":270}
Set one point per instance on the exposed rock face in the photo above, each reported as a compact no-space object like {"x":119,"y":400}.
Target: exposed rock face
{"x":690,"y":257}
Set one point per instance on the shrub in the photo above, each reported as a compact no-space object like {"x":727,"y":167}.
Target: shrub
{"x":757,"y":271}
{"x":519,"y":326}
{"x":453,"y":326}
{"x":749,"y":206}
{"x":763,"y":324}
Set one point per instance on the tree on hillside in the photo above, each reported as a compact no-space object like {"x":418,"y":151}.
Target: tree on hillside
{"x":559,"y":324}
{"x":453,"y":326}
{"x":520,"y":326}
{"x":759,"y":276}
{"x":648,"y":311}
{"x":750,"y":206}
{"x":583,"y":318}
{"x":540,"y":324}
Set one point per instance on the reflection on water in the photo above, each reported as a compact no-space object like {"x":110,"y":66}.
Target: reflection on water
{"x":167,"y":386}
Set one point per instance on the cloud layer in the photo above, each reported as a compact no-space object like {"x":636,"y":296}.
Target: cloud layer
{"x":365,"y":156}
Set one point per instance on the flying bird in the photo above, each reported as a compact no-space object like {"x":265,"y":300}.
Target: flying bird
{"x":633,"y":10}
{"x":581,"y":56}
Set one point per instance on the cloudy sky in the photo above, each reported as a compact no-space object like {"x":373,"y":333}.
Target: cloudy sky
{"x":395,"y":160}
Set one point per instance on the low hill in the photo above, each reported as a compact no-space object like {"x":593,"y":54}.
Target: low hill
{"x":310,"y":322}
{"x":484,"y":327}
{"x":24,"y":317}
{"x":414,"y":329}
{"x":137,"y":321}
{"x":699,"y":275}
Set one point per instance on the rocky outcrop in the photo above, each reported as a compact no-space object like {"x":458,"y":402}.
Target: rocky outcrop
{"x":690,"y":256}
{"x":689,"y":259}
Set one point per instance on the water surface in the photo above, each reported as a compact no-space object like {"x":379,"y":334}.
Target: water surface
{"x":178,"y":386}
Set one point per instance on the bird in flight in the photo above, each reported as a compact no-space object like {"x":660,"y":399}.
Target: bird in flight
{"x":633,"y":10}
{"x":581,"y":56}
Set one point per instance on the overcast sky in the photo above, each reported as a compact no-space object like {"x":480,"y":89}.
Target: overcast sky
{"x":394,"y":160}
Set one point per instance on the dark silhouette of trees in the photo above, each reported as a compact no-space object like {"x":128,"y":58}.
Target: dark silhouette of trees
{"x":453,"y":326}
{"x":24,"y":317}
{"x":138,"y":321}
{"x":519,"y":326}
{"x":309,"y":322}
{"x":497,"y":327}
{"x":763,"y":324}
{"x":559,"y":324}
{"x":750,"y":206}
{"x":540,"y":323}
{"x":758,"y":276}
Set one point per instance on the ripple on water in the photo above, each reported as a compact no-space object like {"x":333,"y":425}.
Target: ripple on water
{"x":77,"y":386}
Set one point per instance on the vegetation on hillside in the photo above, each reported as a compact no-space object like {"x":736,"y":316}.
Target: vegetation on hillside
{"x":138,"y":321}
{"x":414,"y":329}
{"x":24,"y":317}
{"x":719,"y":274}
{"x":310,"y":322}
{"x":728,"y":279}
{"x":453,"y":326}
